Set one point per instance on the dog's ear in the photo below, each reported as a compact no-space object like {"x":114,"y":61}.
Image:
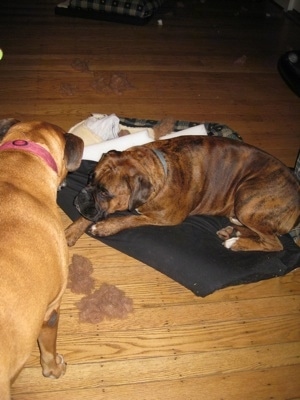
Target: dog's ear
{"x":141,"y":189}
{"x":73,"y":151}
{"x":5,"y":125}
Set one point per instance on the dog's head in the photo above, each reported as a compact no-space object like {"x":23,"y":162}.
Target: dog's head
{"x":66,"y":149}
{"x":118,"y":183}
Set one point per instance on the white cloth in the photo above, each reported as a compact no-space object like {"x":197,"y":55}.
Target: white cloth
{"x":95,"y":151}
{"x":104,"y":126}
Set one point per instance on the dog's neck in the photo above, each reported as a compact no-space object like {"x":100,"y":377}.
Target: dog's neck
{"x":162,"y":159}
{"x":31,"y":147}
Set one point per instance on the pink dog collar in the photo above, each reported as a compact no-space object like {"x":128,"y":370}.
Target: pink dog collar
{"x":31,"y":147}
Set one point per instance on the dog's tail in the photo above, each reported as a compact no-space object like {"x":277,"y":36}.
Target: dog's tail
{"x":162,"y":128}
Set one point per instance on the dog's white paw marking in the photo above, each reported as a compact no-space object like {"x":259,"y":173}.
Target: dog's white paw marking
{"x":235,"y":221}
{"x":93,"y":229}
{"x":230,"y":242}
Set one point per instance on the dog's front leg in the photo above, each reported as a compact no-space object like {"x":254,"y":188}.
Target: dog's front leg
{"x":114,"y":225}
{"x":76,"y":229}
{"x":53,"y":364}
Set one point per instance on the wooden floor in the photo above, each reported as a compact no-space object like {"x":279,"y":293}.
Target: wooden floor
{"x":209,"y":61}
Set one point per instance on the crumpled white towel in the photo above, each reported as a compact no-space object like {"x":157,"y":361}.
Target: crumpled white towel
{"x":104,"y":126}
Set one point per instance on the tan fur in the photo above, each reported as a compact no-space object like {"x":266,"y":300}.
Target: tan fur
{"x":34,"y":255}
{"x":205,"y":175}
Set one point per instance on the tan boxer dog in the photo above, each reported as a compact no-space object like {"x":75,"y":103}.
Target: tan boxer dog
{"x":167,"y":180}
{"x":34,"y":159}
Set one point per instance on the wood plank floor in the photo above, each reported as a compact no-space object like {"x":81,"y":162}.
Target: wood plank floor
{"x":210,"y":61}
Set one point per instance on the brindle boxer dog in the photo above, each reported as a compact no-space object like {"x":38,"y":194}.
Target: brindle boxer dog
{"x":167,"y":180}
{"x":34,"y":159}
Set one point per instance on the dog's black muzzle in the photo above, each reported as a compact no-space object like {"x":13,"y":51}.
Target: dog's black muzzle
{"x":86,"y":205}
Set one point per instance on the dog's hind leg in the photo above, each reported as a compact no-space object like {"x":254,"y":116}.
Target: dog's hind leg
{"x":53,"y":364}
{"x":263,"y":243}
{"x":234,"y":231}
{"x":264,"y":215}
{"x":241,"y":238}
{"x":4,"y":387}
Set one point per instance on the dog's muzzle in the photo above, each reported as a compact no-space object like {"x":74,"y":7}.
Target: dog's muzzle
{"x":86,"y":205}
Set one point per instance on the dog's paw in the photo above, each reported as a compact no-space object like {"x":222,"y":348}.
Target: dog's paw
{"x":74,"y":231}
{"x":94,"y":231}
{"x":99,"y":230}
{"x":226,"y":233}
{"x":71,"y":242}
{"x":70,"y":238}
{"x":105,"y":228}
{"x":230,"y":243}
{"x":56,"y":368}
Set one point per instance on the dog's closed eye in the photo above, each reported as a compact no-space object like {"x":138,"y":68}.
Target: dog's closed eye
{"x":102,"y":193}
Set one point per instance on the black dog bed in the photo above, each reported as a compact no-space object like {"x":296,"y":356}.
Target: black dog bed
{"x":190,"y":253}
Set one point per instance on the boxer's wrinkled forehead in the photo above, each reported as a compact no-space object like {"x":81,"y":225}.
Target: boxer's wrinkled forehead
{"x":93,"y":178}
